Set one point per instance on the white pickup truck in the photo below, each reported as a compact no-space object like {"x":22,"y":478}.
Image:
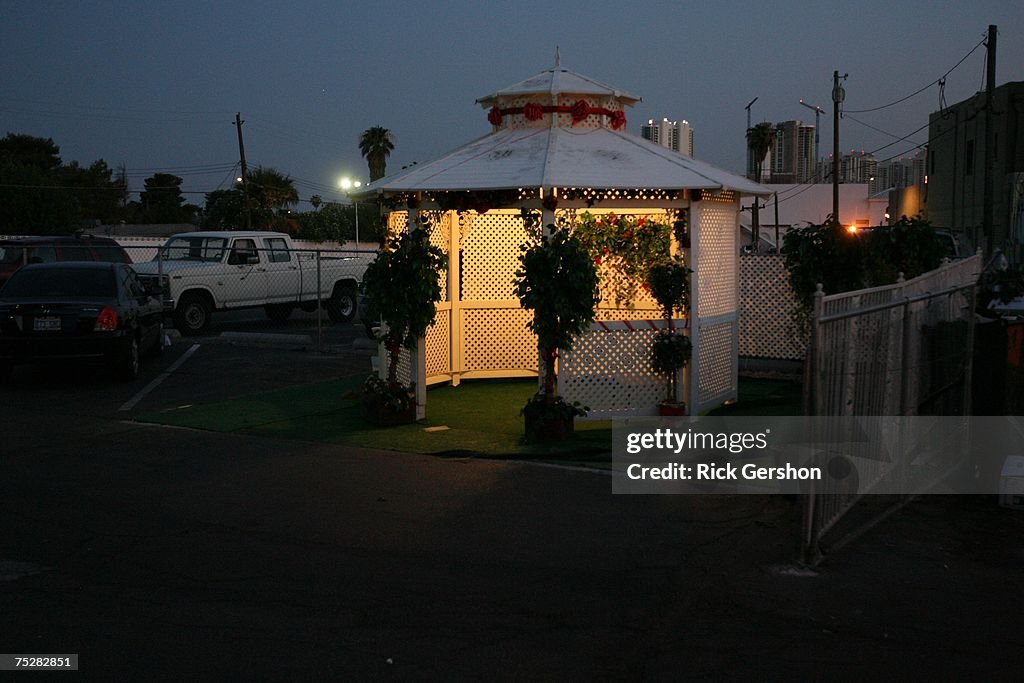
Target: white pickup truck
{"x":204,"y":272}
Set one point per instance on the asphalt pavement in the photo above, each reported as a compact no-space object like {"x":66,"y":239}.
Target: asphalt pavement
{"x":167,"y":554}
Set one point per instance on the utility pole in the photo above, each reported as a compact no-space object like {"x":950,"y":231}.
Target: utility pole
{"x":245,"y":174}
{"x":778,"y":245}
{"x":750,"y":152}
{"x":991,"y":240}
{"x":838,"y":95}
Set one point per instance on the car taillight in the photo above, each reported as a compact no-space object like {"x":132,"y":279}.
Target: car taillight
{"x":106,"y":321}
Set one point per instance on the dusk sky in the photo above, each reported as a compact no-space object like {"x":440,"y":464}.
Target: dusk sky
{"x":156,"y":85}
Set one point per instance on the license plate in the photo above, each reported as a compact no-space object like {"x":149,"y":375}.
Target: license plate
{"x":46,"y":325}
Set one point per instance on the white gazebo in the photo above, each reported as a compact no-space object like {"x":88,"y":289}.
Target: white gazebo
{"x":558,"y":147}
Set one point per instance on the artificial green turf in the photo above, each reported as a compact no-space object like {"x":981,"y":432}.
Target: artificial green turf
{"x":482,"y":419}
{"x":764,"y":397}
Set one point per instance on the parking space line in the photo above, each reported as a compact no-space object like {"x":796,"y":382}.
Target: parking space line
{"x":156,"y":382}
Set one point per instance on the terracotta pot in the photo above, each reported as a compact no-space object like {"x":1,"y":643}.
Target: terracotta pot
{"x":548,"y":427}
{"x":379,"y":413}
{"x":666,"y":409}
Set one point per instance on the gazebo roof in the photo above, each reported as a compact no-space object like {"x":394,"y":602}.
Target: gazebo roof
{"x":552,"y":153}
{"x":559,"y":81}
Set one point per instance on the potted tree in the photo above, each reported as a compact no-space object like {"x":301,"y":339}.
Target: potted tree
{"x":557,"y":280}
{"x":669,"y":283}
{"x":403,"y":281}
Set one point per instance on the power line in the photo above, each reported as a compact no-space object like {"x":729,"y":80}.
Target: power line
{"x":940,"y":79}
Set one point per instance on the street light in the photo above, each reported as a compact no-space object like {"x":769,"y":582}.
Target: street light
{"x":346,"y":185}
{"x":818,"y":111}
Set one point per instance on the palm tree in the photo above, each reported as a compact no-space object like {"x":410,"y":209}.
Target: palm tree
{"x":269,"y":190}
{"x":760,"y":140}
{"x":376,"y":144}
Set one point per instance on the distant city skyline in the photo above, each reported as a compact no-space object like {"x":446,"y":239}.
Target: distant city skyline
{"x":676,"y":135}
{"x":157,"y":87}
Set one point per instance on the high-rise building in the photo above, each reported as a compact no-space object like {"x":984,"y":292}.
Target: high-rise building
{"x":793,"y":154}
{"x":901,"y":172}
{"x":855,"y":167}
{"x":676,"y":135}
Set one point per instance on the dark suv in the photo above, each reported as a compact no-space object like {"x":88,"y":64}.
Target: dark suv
{"x":19,"y":251}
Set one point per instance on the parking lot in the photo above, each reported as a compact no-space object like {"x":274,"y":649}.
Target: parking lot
{"x":243,"y":353}
{"x":155,"y":552}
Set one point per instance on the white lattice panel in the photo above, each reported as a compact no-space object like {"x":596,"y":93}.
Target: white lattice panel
{"x":498,"y":339}
{"x":440,"y":237}
{"x":716,"y":356}
{"x":649,"y":312}
{"x":609,"y":371}
{"x":398,"y":221}
{"x":490,"y":256}
{"x":404,"y":367}
{"x":769,"y":326}
{"x":717,"y":255}
{"x":439,"y":353}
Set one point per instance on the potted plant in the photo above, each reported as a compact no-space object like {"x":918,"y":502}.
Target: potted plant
{"x":403,"y":281}
{"x":669,"y":283}
{"x":557,"y":280}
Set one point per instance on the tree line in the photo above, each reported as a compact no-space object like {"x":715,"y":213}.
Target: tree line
{"x":40,"y":194}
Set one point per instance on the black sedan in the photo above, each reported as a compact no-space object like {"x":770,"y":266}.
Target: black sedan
{"x":80,"y":311}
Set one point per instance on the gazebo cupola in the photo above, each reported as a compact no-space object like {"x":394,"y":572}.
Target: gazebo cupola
{"x":558,"y":149}
{"x":558,"y":97}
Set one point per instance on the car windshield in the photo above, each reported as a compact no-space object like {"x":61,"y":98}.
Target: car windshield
{"x":194,"y":249}
{"x":62,"y":283}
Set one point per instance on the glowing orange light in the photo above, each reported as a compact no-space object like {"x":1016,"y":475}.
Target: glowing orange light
{"x":852,"y":229}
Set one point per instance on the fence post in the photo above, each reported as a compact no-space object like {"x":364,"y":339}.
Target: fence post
{"x":905,"y":344}
{"x":809,"y":550}
{"x":319,"y":305}
{"x":969,"y":365}
{"x":812,"y":379}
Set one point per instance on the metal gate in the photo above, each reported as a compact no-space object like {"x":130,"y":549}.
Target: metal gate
{"x":899,"y":350}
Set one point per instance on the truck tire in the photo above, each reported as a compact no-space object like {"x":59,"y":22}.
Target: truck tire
{"x":341,"y":307}
{"x":278,"y":313}
{"x":192,"y":316}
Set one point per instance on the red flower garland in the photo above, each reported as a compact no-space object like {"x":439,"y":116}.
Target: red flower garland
{"x":533,"y":111}
{"x":494,"y":116}
{"x":580,"y":111}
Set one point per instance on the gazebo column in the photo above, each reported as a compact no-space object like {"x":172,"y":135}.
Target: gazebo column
{"x":547,"y":222}
{"x":455,"y":335}
{"x":692,"y":256}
